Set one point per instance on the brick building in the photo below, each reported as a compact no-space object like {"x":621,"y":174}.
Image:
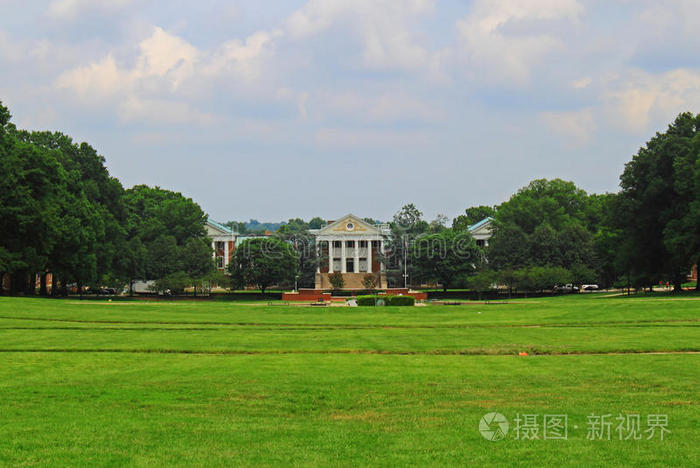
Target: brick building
{"x":352,"y":247}
{"x":223,"y":243}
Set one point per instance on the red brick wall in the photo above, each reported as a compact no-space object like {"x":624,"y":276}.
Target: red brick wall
{"x":324,"y":254}
{"x":376,"y":264}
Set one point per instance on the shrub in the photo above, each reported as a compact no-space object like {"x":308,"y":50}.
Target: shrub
{"x":371,"y":300}
{"x":336,"y":279}
{"x":366,"y":300}
{"x":369,"y":281}
{"x":400,"y":301}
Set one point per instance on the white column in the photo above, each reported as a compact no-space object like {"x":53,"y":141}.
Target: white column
{"x":343,"y":263}
{"x":356,"y":262}
{"x":225,"y":254}
{"x":369,"y":256}
{"x":330,"y":256}
{"x":213,"y":250}
{"x":381,"y":249}
{"x":318,"y":254}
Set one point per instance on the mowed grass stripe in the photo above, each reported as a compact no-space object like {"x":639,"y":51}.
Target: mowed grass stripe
{"x":505,"y":340}
{"x":435,"y":352}
{"x":651,"y":322}
{"x":106,"y":409}
{"x":550,"y":311}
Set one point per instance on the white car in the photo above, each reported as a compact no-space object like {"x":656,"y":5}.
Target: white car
{"x":565,"y":288}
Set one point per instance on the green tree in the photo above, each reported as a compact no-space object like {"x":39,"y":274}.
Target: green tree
{"x":482,"y":281}
{"x":336,"y":279}
{"x":263,"y":262}
{"x":169,"y":229}
{"x":297,"y":235}
{"x":547,"y":223}
{"x":369,"y":281}
{"x":406,"y":226}
{"x":445,"y":257}
{"x":94,"y":198}
{"x":658,"y":203}
{"x":472,"y":215}
{"x":316,"y":223}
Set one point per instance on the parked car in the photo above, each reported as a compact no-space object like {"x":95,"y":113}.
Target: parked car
{"x":566,"y":288}
{"x":589,"y":287}
{"x":107,"y":291}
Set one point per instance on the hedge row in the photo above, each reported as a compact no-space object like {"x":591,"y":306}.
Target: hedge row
{"x":387,"y":300}
{"x":350,"y":292}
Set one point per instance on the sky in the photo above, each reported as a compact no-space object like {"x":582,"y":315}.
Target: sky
{"x":277,"y":109}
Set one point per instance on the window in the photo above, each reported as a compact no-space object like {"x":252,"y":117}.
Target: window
{"x":363,"y":244}
{"x":481,"y":243}
{"x":219,"y":245}
{"x":219,"y":262}
{"x":350,"y":265}
{"x":350,"y":245}
{"x":336,"y":264}
{"x":336,"y":244}
{"x":349,"y":226}
{"x":363,"y":265}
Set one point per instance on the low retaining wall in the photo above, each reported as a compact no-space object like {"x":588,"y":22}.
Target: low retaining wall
{"x":306,"y":295}
{"x":417,"y":295}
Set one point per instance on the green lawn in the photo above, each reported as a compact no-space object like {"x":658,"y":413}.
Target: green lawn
{"x":197,"y":383}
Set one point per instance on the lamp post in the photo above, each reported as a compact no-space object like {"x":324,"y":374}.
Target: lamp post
{"x":405,"y":266}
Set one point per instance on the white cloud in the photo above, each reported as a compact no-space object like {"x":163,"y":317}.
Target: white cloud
{"x":163,"y":112}
{"x":164,"y":63}
{"x":69,"y":9}
{"x":100,"y":79}
{"x":582,"y":83}
{"x":495,"y":54}
{"x":165,"y":54}
{"x":575,"y":126}
{"x":372,"y":138}
{"x":382,"y":26}
{"x":388,"y":107}
{"x":643,"y":99}
{"x":242,"y":58}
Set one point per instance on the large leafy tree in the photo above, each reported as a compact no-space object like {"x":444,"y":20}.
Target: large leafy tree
{"x":34,"y":206}
{"x":165,"y":235}
{"x":447,"y":257}
{"x":263,"y":262}
{"x":89,"y":234}
{"x":547,"y":223}
{"x":407,"y":226}
{"x":316,"y":223}
{"x":297,"y":235}
{"x":658,"y":208}
{"x":472,"y":215}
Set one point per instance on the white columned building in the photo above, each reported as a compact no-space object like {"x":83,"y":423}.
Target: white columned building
{"x":352,"y":247}
{"x":223,"y":243}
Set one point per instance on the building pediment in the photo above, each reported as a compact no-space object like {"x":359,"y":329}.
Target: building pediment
{"x":349,"y":225}
{"x":215,"y":229}
{"x":482,"y":229}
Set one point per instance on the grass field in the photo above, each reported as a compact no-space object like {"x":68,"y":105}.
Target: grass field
{"x":216,"y":383}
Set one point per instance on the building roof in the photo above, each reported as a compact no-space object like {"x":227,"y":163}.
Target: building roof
{"x":480,"y":224}
{"x":359,"y":227}
{"x":220,"y":227}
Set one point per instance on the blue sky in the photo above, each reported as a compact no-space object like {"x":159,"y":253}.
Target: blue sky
{"x":277,"y":109}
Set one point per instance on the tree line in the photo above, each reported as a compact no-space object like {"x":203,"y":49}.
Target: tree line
{"x":61,"y":212}
{"x":552,"y":232}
